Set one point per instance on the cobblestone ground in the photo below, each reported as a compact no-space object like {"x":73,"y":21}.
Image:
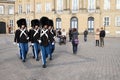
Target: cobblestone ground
{"x":90,"y":63}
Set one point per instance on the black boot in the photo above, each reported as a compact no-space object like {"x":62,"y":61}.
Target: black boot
{"x":44,"y":66}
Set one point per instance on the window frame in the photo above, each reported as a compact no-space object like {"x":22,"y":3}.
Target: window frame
{"x":20,"y":9}
{"x":106,"y":4}
{"x":58,"y":23}
{"x":106,"y":21}
{"x":117,"y":21}
{"x":2,"y":9}
{"x":9,"y":10}
{"x":91,"y":5}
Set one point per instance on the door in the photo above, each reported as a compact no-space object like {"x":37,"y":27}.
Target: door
{"x":2,"y":28}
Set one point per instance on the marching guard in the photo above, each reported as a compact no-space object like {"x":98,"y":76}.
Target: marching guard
{"x":34,"y":38}
{"x":44,"y":39}
{"x":21,"y":37}
{"x":52,"y":38}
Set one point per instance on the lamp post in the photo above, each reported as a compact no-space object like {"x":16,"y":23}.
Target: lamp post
{"x":104,"y":25}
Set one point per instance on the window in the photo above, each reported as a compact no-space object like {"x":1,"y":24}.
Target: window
{"x":20,"y":9}
{"x":117,"y":21}
{"x":59,"y":5}
{"x":38,"y":8}
{"x":48,"y":7}
{"x":11,"y":23}
{"x":11,"y":9}
{"x":58,"y":23}
{"x":28,"y":22}
{"x":75,"y":5}
{"x":1,"y":9}
{"x":90,"y":24}
{"x":27,"y":8}
{"x":106,"y":4}
{"x":74,"y":22}
{"x":117,"y":4}
{"x":91,"y":5}
{"x":106,"y":21}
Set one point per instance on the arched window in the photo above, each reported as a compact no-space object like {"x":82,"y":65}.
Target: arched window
{"x":58,"y":23}
{"x":90,"y":24}
{"x":74,"y":22}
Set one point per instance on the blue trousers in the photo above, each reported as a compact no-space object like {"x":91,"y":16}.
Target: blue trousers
{"x":20,"y":54}
{"x":24,"y":50}
{"x":52,"y":48}
{"x":36,"y":47}
{"x":33,"y":51}
{"x":44,"y":53}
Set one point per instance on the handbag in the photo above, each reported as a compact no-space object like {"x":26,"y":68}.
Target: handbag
{"x":76,"y":41}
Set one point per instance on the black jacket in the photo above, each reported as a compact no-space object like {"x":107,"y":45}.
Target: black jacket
{"x":33,"y":36}
{"x":51,"y":35}
{"x":21,"y":39}
{"x":45,"y":39}
{"x":102,"y":33}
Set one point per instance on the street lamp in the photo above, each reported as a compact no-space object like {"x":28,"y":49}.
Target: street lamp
{"x":104,"y":25}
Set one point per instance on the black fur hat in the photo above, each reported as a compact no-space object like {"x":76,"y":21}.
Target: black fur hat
{"x":21,"y":22}
{"x":51,"y":22}
{"x":35,"y":22}
{"x":44,"y":21}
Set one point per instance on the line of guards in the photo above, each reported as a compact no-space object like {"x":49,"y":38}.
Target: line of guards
{"x":41,"y":35}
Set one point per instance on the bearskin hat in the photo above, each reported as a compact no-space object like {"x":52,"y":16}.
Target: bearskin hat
{"x":35,"y":22}
{"x":44,"y":21}
{"x":21,"y":22}
{"x":51,"y":22}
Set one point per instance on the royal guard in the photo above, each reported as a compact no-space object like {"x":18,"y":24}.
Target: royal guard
{"x":44,"y":39}
{"x":34,"y":35}
{"x":52,"y":35}
{"x":21,"y":37}
{"x":31,"y":40}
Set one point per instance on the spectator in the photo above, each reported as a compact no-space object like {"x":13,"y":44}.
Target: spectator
{"x":102,"y":35}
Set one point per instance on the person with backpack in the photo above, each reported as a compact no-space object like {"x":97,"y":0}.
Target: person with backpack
{"x":75,"y":40}
{"x":102,"y":36}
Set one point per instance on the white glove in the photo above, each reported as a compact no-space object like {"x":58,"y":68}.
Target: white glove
{"x":32,"y":44}
{"x":17,"y":44}
{"x":39,"y":41}
{"x":14,"y":43}
{"x":53,"y":43}
{"x":27,"y":38}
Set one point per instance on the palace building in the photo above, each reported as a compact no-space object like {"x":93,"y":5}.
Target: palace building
{"x":66,"y":14}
